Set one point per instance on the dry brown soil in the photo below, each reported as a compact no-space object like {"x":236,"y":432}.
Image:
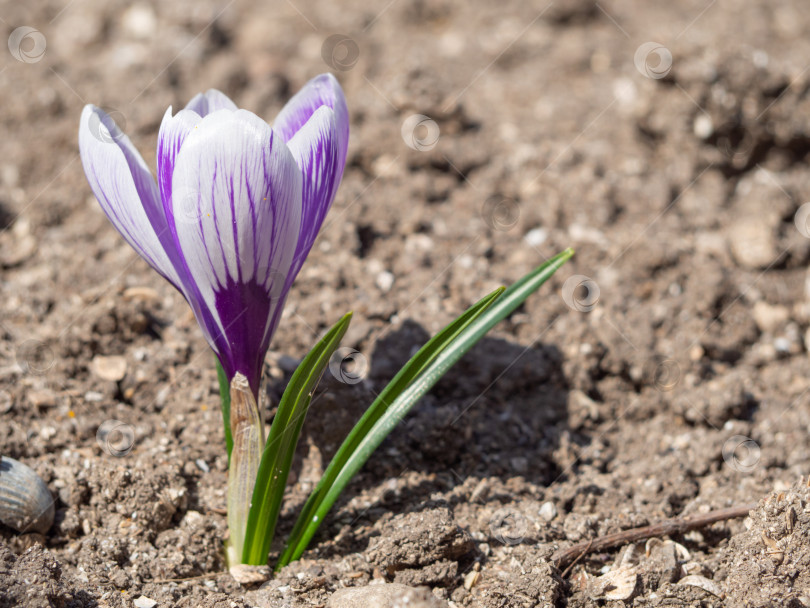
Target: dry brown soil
{"x":680,"y":387}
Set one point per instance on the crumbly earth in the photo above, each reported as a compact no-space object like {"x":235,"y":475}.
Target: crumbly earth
{"x":662,"y":372}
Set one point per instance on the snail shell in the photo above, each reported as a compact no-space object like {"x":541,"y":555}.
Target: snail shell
{"x":26,"y":503}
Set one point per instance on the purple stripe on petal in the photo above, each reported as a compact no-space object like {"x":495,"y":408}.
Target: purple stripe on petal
{"x":316,"y":150}
{"x":172,"y":134}
{"x":127,"y":192}
{"x":323,"y":90}
{"x":238,"y":250}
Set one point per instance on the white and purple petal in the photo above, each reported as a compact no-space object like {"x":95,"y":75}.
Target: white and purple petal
{"x":172,"y":134}
{"x":316,"y":150}
{"x":323,"y":90}
{"x":127,"y":192}
{"x":209,"y":102}
{"x":238,"y":244}
{"x":315,"y":125}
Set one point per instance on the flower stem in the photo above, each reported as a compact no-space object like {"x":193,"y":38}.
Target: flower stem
{"x":247,"y":431}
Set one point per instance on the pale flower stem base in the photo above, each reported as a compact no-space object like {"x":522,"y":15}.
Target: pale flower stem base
{"x":231,"y":556}
{"x":248,"y":442}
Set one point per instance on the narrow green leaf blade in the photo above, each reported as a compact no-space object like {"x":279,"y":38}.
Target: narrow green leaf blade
{"x":405,"y":376}
{"x":225,"y":406}
{"x":271,"y":478}
{"x":324,"y":496}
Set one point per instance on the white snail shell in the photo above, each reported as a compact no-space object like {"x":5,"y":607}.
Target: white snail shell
{"x":26,"y":503}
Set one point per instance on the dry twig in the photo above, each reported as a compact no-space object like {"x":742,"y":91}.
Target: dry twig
{"x":676,"y":525}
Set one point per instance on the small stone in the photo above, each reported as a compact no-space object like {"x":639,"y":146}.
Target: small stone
{"x":782,"y":345}
{"x":111,"y":369}
{"x":548,"y":511}
{"x":536,"y":237}
{"x":42,"y":398}
{"x":752,"y":243}
{"x":144,"y":602}
{"x":139,"y":21}
{"x":202,"y":465}
{"x":703,"y":127}
{"x":250,"y":575}
{"x":140,"y":293}
{"x":385,"y":281}
{"x":17,"y":244}
{"x":391,"y":595}
{"x":768,"y":317}
{"x":471,"y":579}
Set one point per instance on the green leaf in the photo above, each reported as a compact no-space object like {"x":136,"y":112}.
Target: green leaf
{"x":271,"y":478}
{"x":225,"y":406}
{"x":408,"y":386}
{"x":404,"y":377}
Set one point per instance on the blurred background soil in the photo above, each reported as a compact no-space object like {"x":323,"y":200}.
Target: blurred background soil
{"x":662,"y":372}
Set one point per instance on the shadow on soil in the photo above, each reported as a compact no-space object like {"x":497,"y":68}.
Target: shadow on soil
{"x":497,"y":413}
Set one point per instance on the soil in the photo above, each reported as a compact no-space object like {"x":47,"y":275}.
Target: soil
{"x":662,"y":372}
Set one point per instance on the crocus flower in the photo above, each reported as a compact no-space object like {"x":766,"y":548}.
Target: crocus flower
{"x":235,"y":209}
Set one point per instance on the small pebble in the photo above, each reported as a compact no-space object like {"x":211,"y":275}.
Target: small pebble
{"x":111,"y":369}
{"x":548,"y":511}
{"x":753,"y":244}
{"x":139,"y":21}
{"x":782,"y":345}
{"x":388,"y":595}
{"x":536,"y":237}
{"x":703,"y":127}
{"x":144,"y":602}
{"x":768,"y":317}
{"x":42,"y":398}
{"x":202,"y":465}
{"x":385,"y":280}
{"x":140,"y":293}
